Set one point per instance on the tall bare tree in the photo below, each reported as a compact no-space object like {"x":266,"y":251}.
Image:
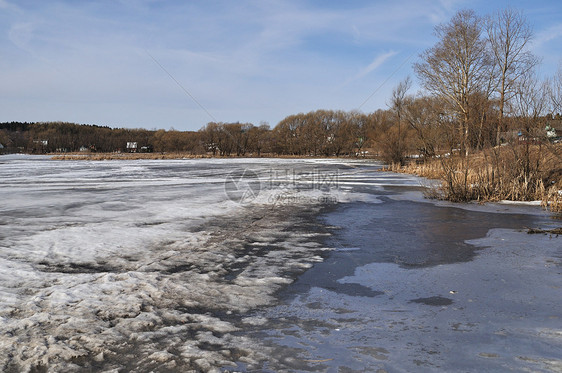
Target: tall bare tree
{"x":530,"y":105}
{"x":457,"y":67}
{"x":423,"y":116}
{"x":555,"y":91}
{"x":509,"y":35}
{"x":398,"y":103}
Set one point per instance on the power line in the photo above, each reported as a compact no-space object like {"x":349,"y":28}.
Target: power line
{"x":386,"y":80}
{"x":181,"y":86}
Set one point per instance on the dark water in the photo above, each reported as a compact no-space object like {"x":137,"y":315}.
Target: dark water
{"x":410,"y":234}
{"x":415,"y":286}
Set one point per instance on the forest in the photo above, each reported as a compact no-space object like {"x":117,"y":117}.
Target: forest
{"x":485,"y":121}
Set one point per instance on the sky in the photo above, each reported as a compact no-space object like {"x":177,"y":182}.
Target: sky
{"x":160,"y":64}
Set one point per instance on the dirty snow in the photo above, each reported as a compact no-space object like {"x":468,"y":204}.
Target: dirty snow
{"x":144,"y":265}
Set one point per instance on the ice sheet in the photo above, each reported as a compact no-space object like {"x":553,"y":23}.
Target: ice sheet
{"x":153,"y":265}
{"x":499,"y":312}
{"x":145,"y":264}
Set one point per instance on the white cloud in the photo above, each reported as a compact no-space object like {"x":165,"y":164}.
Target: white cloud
{"x":7,"y":5}
{"x":20,"y":35}
{"x":552,"y":33}
{"x":378,"y":61}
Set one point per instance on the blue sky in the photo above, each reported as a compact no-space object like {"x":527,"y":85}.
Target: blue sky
{"x":109,"y":62}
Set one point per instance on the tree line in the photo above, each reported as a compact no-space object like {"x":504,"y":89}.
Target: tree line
{"x":318,"y":133}
{"x":502,"y":117}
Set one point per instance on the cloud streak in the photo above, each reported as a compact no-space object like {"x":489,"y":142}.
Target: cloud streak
{"x":377,"y":62}
{"x":21,"y":34}
{"x":554,"y":32}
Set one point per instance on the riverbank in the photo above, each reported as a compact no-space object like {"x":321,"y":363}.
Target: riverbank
{"x":171,"y":155}
{"x":511,"y":173}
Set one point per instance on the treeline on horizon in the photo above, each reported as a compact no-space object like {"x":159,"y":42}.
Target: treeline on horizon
{"x":319,"y":133}
{"x":425,"y":130}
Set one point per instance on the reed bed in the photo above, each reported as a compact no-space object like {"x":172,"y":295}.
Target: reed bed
{"x":513,"y":173}
{"x":125,"y":156}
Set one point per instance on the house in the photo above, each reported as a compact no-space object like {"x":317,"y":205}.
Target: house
{"x":554,"y":131}
{"x":132,"y":147}
{"x":40,"y":146}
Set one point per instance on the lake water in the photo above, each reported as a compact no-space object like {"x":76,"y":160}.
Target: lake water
{"x":266,"y":265}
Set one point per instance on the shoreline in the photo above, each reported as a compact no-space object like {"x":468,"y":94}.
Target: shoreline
{"x":479,"y":179}
{"x":157,"y":156}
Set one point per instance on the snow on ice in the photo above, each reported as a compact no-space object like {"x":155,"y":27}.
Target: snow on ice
{"x":147,"y":264}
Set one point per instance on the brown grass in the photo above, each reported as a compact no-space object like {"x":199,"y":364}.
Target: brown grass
{"x":180,"y":155}
{"x":515,"y":173}
{"x":124,"y":156}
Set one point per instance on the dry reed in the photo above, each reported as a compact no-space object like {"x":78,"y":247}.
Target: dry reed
{"x":516,"y":173}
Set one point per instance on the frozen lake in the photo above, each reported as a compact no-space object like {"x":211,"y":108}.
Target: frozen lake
{"x":266,"y":265}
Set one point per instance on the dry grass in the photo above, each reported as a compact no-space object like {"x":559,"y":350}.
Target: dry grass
{"x":180,"y":155}
{"x":515,"y":173}
{"x":124,"y":156}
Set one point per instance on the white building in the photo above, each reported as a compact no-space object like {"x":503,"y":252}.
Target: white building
{"x":132,"y":146}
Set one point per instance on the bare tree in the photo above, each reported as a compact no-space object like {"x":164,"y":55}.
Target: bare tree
{"x":457,"y":67}
{"x":531,"y":97}
{"x":530,"y":106}
{"x":357,"y":130}
{"x":423,"y":116}
{"x":288,"y":135}
{"x":509,"y":35}
{"x":211,"y":137}
{"x":398,"y":102}
{"x":260,"y":138}
{"x":555,"y":91}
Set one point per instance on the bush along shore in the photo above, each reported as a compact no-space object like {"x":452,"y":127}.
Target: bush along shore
{"x":514,"y":172}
